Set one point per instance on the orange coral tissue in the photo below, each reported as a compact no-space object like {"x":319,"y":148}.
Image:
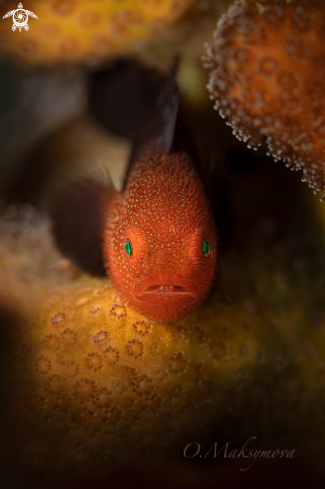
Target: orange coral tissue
{"x":267,"y":65}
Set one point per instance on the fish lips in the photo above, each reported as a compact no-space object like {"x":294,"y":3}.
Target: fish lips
{"x":165,"y":292}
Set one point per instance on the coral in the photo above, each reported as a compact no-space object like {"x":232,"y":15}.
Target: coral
{"x":99,"y":375}
{"x":39,"y":267}
{"x":88,"y":382}
{"x":267,"y":78}
{"x":72,"y":31}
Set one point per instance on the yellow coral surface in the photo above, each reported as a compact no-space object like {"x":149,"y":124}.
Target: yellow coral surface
{"x":73,"y":31}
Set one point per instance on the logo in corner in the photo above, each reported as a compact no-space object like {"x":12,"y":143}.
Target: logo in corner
{"x":20,"y":18}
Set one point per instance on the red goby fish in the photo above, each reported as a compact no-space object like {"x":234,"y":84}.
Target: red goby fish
{"x":156,"y":239}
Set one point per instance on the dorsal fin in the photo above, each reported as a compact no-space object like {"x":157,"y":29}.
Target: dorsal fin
{"x":137,"y":103}
{"x":168,"y":103}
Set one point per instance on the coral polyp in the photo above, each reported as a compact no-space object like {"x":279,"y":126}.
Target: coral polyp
{"x":267,"y":78}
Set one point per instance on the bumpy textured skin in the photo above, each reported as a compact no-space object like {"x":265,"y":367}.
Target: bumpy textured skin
{"x":165,"y":215}
{"x":267,"y":78}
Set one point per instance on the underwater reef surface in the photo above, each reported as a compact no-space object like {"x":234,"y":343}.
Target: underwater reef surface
{"x":88,"y":382}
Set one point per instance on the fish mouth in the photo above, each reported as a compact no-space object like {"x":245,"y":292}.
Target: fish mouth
{"x":162,"y":292}
{"x":165,"y":289}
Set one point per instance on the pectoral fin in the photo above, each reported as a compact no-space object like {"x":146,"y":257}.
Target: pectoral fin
{"x":78,"y":219}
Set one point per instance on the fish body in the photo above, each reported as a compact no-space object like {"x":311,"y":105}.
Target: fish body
{"x":157,"y":236}
{"x":164,"y":219}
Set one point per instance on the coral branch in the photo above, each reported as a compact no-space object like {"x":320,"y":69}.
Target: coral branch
{"x":267,"y":78}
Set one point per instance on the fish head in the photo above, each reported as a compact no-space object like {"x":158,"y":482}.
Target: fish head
{"x":161,"y":246}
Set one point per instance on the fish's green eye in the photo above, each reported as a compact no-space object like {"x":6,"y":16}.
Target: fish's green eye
{"x":205,"y":248}
{"x":128,"y":247}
